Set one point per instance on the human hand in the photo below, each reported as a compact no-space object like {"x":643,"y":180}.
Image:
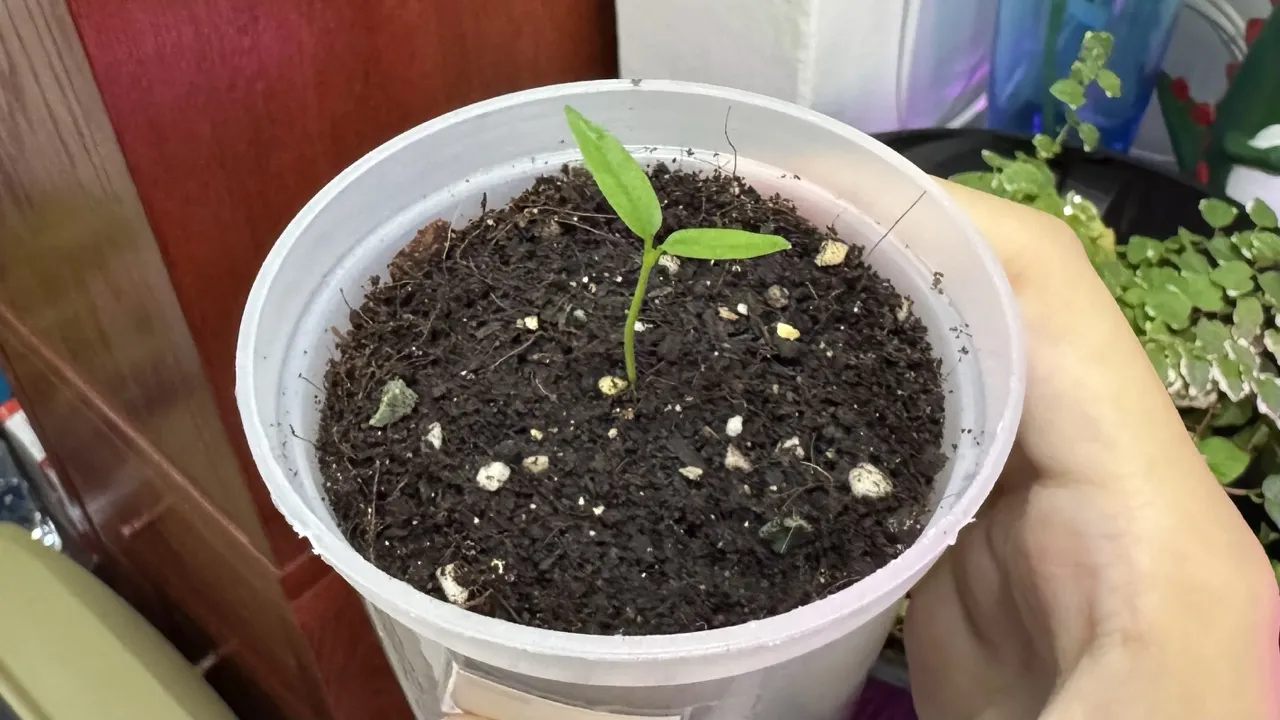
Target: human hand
{"x":1108,"y":575}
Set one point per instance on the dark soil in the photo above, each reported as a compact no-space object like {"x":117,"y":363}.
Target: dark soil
{"x":613,"y":538}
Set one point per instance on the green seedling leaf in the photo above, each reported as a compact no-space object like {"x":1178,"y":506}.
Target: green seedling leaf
{"x":1218,"y":213}
{"x":1271,"y":499}
{"x":1097,"y":43}
{"x":397,"y":400}
{"x":1198,"y":374}
{"x":1109,"y":82}
{"x":1068,"y":92}
{"x":1134,"y":297}
{"x":621,"y":178}
{"x":1271,"y":341}
{"x":1225,"y":458}
{"x":1248,"y":318}
{"x":1262,"y":215}
{"x":1115,"y":275}
{"x":721,"y":244}
{"x":1242,"y":352}
{"x":1089,"y":135}
{"x":1235,"y":276}
{"x":1030,"y":179}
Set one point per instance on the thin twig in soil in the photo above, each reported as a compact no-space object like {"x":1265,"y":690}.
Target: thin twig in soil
{"x":538,"y":382}
{"x":307,"y":380}
{"x":513,"y":352}
{"x":373,"y":511}
{"x":728,"y":140}
{"x":797,"y":493}
{"x":499,"y":302}
{"x":343,"y":293}
{"x":296,"y":435}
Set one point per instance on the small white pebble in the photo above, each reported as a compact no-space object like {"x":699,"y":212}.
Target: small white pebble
{"x":792,"y":444}
{"x":787,"y":332}
{"x":670,"y":263}
{"x":726,"y":314}
{"x":529,"y":323}
{"x":613,"y":433}
{"x":691,"y":471}
{"x":743,"y":309}
{"x":493,"y":476}
{"x":598,"y":510}
{"x":904,"y":309}
{"x":582,"y":501}
{"x":591,"y":533}
{"x":611,"y":385}
{"x":585,"y":280}
{"x":447,"y":576}
{"x":500,"y":566}
{"x":735,"y":460}
{"x":533,"y":506}
{"x":617,"y":278}
{"x":535,"y":433}
{"x":435,"y":435}
{"x":733,"y":428}
{"x":867,"y":480}
{"x":640,"y":327}
{"x":536,"y":464}
{"x":832,"y":252}
{"x":580,"y":315}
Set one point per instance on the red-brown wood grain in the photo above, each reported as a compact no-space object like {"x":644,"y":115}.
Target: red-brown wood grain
{"x":232,"y":113}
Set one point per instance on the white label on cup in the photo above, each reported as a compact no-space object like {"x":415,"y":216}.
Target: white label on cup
{"x":474,"y":695}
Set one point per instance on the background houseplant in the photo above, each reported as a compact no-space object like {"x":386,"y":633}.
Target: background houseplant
{"x":1203,"y":304}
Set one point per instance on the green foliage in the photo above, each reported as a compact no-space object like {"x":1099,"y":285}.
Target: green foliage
{"x":721,"y":244}
{"x":1206,"y":309}
{"x":625,"y":186}
{"x":1225,"y":458}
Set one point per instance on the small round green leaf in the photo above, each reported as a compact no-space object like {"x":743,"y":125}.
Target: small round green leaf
{"x":1247,"y":318}
{"x":1267,"y":386}
{"x":1271,"y":498}
{"x":1170,"y":307}
{"x":1236,"y":277}
{"x":1089,"y":135}
{"x":1203,"y":293}
{"x":1045,"y":146}
{"x":1218,"y":213}
{"x":1263,"y":246}
{"x":1191,"y":262}
{"x":1212,"y":336}
{"x":1223,"y":250}
{"x":1261,"y":214}
{"x":1109,"y":82}
{"x":1225,"y":459}
{"x":620,"y":177}
{"x":1141,"y":249}
{"x":721,"y":244}
{"x":1270,"y":283}
{"x":1069,"y":92}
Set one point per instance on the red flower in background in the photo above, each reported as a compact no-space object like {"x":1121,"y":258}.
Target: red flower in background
{"x":1202,"y":172}
{"x":1179,"y":87}
{"x":1253,"y":27}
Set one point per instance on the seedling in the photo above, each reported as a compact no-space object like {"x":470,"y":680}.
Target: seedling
{"x":626,"y":187}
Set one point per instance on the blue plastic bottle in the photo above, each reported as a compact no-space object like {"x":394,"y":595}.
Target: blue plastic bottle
{"x":1036,"y":41}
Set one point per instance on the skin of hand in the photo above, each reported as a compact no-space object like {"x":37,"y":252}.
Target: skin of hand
{"x":1108,"y":575}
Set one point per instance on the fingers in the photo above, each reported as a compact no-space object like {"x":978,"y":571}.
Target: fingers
{"x":1093,"y":403}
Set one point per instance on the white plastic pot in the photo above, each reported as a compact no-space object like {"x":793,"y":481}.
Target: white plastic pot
{"x":807,"y":664}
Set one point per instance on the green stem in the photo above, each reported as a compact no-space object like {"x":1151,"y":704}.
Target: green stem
{"x":650,"y":259}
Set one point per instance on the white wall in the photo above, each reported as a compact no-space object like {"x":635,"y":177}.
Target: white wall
{"x":876,"y":64}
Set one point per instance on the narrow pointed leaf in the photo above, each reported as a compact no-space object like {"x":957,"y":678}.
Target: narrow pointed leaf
{"x":620,"y":177}
{"x":721,"y":244}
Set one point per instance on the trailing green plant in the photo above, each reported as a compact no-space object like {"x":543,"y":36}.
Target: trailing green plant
{"x":625,"y":186}
{"x":1205,"y":307}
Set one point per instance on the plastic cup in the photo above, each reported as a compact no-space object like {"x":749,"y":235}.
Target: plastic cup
{"x":807,"y":664}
